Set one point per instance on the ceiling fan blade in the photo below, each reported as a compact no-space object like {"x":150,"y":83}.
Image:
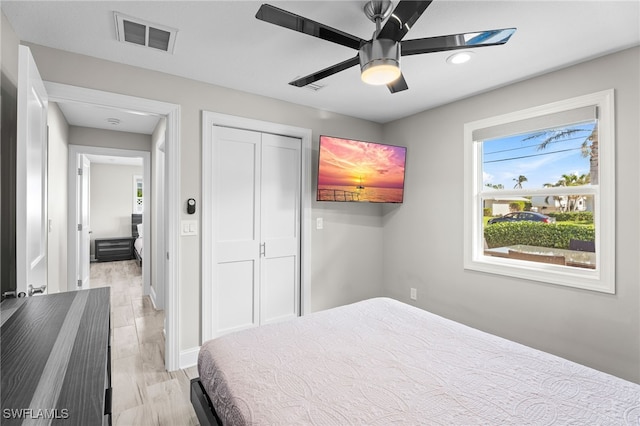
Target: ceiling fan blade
{"x":456,"y":41}
{"x":301,"y":82}
{"x":298,"y":23}
{"x":402,"y":19}
{"x":398,"y":85}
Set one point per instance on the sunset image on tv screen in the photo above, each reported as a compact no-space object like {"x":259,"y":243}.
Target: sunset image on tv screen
{"x":350,"y":170}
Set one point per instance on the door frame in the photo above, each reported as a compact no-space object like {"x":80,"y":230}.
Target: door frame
{"x":210,"y":119}
{"x":62,"y":93}
{"x":74,"y":152}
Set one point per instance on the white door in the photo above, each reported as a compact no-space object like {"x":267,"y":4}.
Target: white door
{"x":31,"y":179}
{"x":255,"y":231}
{"x":236,"y":228}
{"x":159,"y":250}
{"x":84,"y":224}
{"x":280,"y":225}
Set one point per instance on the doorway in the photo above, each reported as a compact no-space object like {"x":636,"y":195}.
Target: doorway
{"x":81,"y":158}
{"x":61,"y":93}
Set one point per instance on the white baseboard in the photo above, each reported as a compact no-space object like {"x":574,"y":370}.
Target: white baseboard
{"x":189,"y":357}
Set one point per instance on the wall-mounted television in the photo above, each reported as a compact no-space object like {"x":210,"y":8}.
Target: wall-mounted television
{"x":357,"y":171}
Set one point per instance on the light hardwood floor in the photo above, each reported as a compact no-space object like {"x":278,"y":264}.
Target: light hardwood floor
{"x":144,"y":393}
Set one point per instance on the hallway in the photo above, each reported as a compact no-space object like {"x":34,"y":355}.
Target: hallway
{"x":143,"y":392}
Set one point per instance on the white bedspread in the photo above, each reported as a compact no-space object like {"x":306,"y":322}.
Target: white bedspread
{"x":138,"y":246}
{"x":381,"y":362}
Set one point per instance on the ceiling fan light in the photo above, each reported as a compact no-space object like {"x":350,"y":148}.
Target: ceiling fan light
{"x":380,"y":72}
{"x":380,"y":62}
{"x":459,"y":58}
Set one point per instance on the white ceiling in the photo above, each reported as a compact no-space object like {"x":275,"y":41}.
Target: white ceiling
{"x":221,"y":42}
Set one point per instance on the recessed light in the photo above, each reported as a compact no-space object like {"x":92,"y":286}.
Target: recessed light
{"x":459,"y":58}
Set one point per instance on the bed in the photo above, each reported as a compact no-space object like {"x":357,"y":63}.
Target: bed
{"x":381,"y":362}
{"x":136,"y":232}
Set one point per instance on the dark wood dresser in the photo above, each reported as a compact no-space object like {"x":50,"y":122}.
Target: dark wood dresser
{"x":55,"y":359}
{"x":110,"y":249}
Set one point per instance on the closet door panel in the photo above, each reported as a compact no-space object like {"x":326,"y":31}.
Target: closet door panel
{"x":236,"y":184}
{"x":278,"y":290}
{"x":236,"y":229}
{"x":235,"y":302}
{"x":280,"y":225}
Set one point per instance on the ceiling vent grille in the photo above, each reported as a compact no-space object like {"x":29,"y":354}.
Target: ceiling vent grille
{"x":143,"y":33}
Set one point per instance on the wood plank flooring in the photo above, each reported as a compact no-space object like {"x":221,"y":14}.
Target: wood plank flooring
{"x":144,"y":393}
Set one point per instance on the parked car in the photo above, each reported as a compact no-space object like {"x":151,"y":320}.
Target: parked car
{"x":523,"y":216}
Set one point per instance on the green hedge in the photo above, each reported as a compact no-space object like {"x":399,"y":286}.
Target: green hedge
{"x":572,"y":216}
{"x":555,"y":235}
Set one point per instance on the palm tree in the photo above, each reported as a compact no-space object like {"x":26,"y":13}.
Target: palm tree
{"x":519,"y":181}
{"x":589,"y":146}
{"x":569,"y":180}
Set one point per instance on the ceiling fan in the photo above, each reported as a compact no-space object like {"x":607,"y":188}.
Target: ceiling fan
{"x":379,"y":58}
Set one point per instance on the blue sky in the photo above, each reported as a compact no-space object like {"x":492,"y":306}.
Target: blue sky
{"x":504,"y":159}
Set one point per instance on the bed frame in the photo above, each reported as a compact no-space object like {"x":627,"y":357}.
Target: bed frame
{"x":136,"y":219}
{"x":207,"y":415}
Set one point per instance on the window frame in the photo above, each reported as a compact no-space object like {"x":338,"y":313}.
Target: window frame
{"x":602,"y":278}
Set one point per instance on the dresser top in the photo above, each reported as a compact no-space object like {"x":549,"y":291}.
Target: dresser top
{"x":54,"y":357}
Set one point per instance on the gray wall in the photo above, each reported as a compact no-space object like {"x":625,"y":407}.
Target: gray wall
{"x":349,"y":233}
{"x":111,"y":198}
{"x":424,"y":242}
{"x":417,"y":244}
{"x":108,"y":138}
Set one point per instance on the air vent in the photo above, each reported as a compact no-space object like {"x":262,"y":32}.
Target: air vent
{"x":144,"y":33}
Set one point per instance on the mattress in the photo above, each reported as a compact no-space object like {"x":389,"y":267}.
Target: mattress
{"x":381,"y":362}
{"x":137,"y":244}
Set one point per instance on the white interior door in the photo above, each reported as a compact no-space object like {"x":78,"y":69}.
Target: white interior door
{"x":159,"y":249}
{"x":236,"y":229}
{"x":31,"y":179}
{"x":84,"y":225}
{"x":280,"y":225}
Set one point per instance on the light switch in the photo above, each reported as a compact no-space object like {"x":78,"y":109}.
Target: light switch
{"x":189,"y":227}
{"x":319,"y":223}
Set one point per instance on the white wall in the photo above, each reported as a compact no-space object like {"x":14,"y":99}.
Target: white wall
{"x":58,"y":157}
{"x":111,"y":200}
{"x":424,"y":241}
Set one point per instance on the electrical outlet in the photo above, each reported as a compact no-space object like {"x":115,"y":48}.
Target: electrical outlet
{"x":414,"y":294}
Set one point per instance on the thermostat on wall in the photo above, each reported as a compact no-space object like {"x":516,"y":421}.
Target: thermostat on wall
{"x":191,"y":206}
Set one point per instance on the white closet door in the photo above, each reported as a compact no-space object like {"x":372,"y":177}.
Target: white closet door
{"x":236,"y":229}
{"x":280,"y":217}
{"x":255,"y":232}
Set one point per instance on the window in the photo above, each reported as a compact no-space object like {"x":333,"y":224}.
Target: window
{"x":540,"y":193}
{"x":138,"y":200}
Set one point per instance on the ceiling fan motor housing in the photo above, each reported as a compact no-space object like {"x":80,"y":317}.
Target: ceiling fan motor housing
{"x":382,"y":58}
